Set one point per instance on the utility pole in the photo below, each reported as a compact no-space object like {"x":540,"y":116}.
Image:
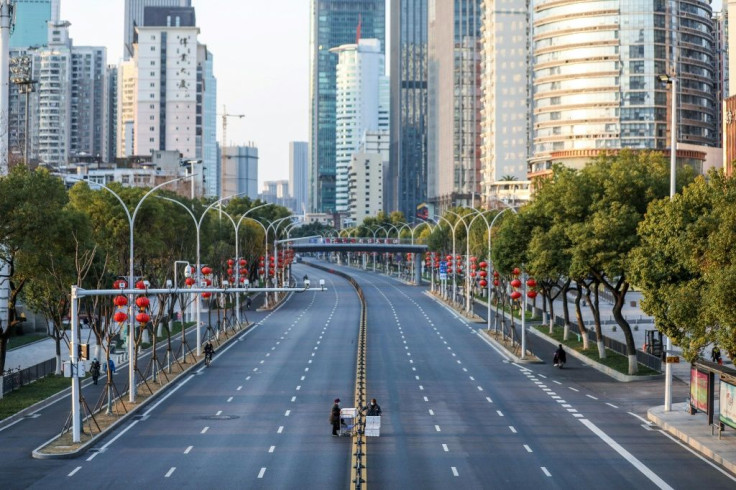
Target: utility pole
{"x":225,"y":115}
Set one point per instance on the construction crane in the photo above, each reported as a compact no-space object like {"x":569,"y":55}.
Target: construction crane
{"x":224,"y":116}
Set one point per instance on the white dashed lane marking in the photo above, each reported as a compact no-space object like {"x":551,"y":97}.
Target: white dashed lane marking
{"x":74,"y":471}
{"x":169,"y":473}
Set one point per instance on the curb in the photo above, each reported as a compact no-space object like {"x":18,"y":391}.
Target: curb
{"x":513,"y":356}
{"x":624,"y":378}
{"x":131,"y":413}
{"x":690,"y":441}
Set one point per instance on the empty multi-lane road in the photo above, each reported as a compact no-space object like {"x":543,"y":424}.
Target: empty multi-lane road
{"x":456,"y":412}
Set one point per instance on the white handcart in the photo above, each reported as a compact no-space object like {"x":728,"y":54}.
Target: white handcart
{"x":348,"y":419}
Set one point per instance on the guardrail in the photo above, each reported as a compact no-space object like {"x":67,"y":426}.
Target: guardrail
{"x":358,"y":473}
{"x":13,"y":379}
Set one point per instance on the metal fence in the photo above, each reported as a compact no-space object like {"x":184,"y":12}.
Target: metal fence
{"x":652,"y":362}
{"x":15,"y":378}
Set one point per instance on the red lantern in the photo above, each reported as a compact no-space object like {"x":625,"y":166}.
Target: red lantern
{"x":119,"y":284}
{"x":515,"y":283}
{"x":449,"y":258}
{"x":206,"y":295}
{"x":140,"y":285}
{"x":208,"y":282}
{"x":271,"y":258}
{"x":472,"y":274}
{"x":189,"y":281}
{"x":142,"y":318}
{"x":532,"y":294}
{"x":120,"y":301}
{"x":515,"y":295}
{"x":483,"y":265}
{"x":206,"y":270}
{"x":243,"y":262}
{"x":230,"y":262}
{"x":243,"y":271}
{"x":483,"y":274}
{"x":516,"y":271}
{"x":229,"y":272}
{"x":531,"y":283}
{"x":483,"y":283}
{"x":473,"y":259}
{"x":142,"y":302}
{"x":473,"y":266}
{"x":495,"y":282}
{"x":120,"y":317}
{"x":495,"y":273}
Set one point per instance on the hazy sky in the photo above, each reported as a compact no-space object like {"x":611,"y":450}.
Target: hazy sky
{"x":261,"y":53}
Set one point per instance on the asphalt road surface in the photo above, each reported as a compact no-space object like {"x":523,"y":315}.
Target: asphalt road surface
{"x":456,"y":412}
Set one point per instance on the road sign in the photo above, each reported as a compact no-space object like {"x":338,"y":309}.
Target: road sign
{"x":443,"y":270}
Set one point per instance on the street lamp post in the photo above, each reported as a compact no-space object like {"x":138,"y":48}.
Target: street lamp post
{"x":671,"y":80}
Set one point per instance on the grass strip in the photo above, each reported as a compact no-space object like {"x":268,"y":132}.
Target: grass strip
{"x":19,"y":340}
{"x":32,"y":393}
{"x":613,"y":359}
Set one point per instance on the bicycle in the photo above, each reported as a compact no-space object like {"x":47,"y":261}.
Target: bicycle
{"x":207,"y":358}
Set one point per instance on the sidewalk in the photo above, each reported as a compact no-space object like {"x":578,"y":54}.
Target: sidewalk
{"x":37,"y":352}
{"x":694,"y":431}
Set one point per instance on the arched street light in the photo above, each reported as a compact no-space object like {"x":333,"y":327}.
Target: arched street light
{"x":236,"y":226}
{"x":198,"y":226}
{"x":131,"y":318}
{"x":453,"y":226}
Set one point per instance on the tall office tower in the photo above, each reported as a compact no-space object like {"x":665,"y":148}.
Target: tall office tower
{"x":596,"y":78}
{"x":51,"y":110}
{"x":505,"y":99}
{"x":127,"y":90}
{"x":210,"y":162}
{"x":88,"y":133}
{"x":31,"y":22}
{"x":720,"y":26}
{"x":112,"y":113}
{"x":407,"y":174}
{"x":361,"y":104}
{"x":167,"y":58}
{"x":333,"y":23}
{"x":134,"y":12}
{"x":240,"y":174}
{"x":453,"y":150}
{"x":299,"y":174}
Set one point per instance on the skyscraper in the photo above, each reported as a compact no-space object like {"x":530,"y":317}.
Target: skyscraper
{"x":299,"y":174}
{"x":134,"y":11}
{"x":453,"y":151}
{"x":408,"y":161}
{"x":240,"y":174}
{"x":31,"y":22}
{"x":210,"y":162}
{"x":598,"y":89}
{"x":362,"y":104}
{"x":333,"y":23}
{"x":505,"y":127}
{"x":89,"y":110}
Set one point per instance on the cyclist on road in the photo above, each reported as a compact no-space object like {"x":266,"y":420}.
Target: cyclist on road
{"x":208,"y":352}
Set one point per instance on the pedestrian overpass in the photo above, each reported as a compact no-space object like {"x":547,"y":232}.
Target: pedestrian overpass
{"x":370,"y":245}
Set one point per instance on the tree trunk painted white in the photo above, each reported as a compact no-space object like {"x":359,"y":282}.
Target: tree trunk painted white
{"x":601,"y":349}
{"x":551,"y":325}
{"x":633,"y":365}
{"x":566,"y":332}
{"x":160,"y":330}
{"x":145,"y":337}
{"x":586,"y":341}
{"x":545,"y":317}
{"x":58,"y":364}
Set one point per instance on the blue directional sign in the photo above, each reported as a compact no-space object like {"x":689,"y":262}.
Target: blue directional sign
{"x":443,"y":270}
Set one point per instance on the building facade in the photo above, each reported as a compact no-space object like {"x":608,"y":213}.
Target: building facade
{"x":134,"y":12}
{"x":167,"y":58}
{"x":299,"y":175}
{"x":453,"y":151}
{"x":89,"y":110}
{"x":127,"y":83}
{"x":365,"y":186}
{"x":240,"y":171}
{"x":210,"y":161}
{"x":506,"y":100}
{"x":597,"y":68}
{"x":112,"y":113}
{"x":332,"y":23}
{"x":361,"y":104}
{"x":407,"y":172}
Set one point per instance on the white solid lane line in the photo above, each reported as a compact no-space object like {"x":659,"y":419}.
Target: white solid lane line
{"x":168,"y":473}
{"x":74,"y":471}
{"x":626,"y":455}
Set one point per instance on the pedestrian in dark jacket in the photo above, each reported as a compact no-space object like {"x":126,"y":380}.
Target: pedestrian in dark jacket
{"x":335,"y":417}
{"x":374,"y":409}
{"x":94,"y":369}
{"x":560,"y":356}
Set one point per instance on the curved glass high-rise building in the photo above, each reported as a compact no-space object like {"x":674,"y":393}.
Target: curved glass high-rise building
{"x":596,"y":67}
